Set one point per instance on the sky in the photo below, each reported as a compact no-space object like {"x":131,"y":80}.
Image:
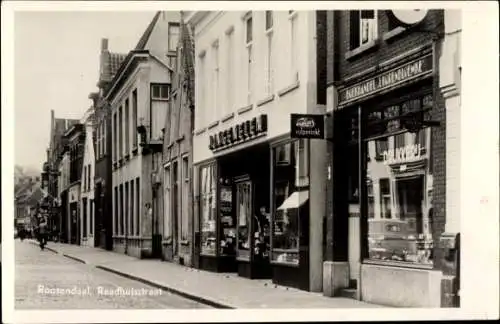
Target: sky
{"x":56,"y":66}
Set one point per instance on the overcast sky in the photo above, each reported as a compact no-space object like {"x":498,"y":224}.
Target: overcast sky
{"x":56,"y":67}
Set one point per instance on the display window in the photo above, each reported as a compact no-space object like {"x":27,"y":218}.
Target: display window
{"x":398,"y":183}
{"x":244,"y":214}
{"x":291,"y":197}
{"x":208,"y":205}
{"x":227,"y":221}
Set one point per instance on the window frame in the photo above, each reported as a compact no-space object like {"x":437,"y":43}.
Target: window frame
{"x":170,"y":26}
{"x":161,"y":96}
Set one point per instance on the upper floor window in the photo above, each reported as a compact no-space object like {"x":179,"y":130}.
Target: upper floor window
{"x":293,"y":45}
{"x":269,"y":19}
{"x":134,"y":118}
{"x":215,"y":80}
{"x":173,"y":36}
{"x":159,"y":92}
{"x":249,"y":30}
{"x":363,"y":27}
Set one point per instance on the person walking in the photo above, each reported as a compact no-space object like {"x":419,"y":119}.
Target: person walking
{"x":42,"y":232}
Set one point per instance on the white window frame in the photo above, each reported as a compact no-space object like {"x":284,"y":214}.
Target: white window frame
{"x":229,"y":69}
{"x":372,"y":25}
{"x":249,"y":57}
{"x":201,"y":84}
{"x":292,"y":17}
{"x":216,"y":78}
{"x":162,"y":96}
{"x":269,"y":84}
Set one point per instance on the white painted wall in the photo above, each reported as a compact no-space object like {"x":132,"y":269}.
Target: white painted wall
{"x":87,"y":190}
{"x":213,"y":28}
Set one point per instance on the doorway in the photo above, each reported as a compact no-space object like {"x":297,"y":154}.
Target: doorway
{"x":410,"y":196}
{"x":244,"y":212}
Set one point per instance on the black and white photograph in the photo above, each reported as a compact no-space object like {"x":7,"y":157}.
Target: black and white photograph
{"x":260,"y":157}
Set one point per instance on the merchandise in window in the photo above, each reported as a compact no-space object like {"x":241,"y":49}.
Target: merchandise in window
{"x":291,"y":196}
{"x":208,"y":205}
{"x":244,"y":214}
{"x":227,"y":224}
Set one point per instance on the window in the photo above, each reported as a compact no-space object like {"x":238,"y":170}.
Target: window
{"x":249,"y":57}
{"x":115,"y":219}
{"x":159,"y":92}
{"x":167,"y":220}
{"x":132,"y":208}
{"x":89,"y":172}
{"x":371,"y":199}
{"x":84,"y":220}
{"x":103,"y":138}
{"x":84,"y":178}
{"x":126,"y":208}
{"x":185,"y":199}
{"x":134,"y":117}
{"x":385,"y":198}
{"x":290,"y":202}
{"x":244,"y":218}
{"x":215,"y":80}
{"x":269,"y":56}
{"x":122,"y":212}
{"x":229,"y":70}
{"x":401,"y":233}
{"x":91,"y":217}
{"x":269,"y":19}
{"x":208,"y":205}
{"x":127,"y":128}
{"x":201,"y":91}
{"x":176,"y":213}
{"x":115,"y":139}
{"x":381,"y":146}
{"x":120,"y":132}
{"x":173,"y":36}
{"x":137,"y":205}
{"x":363,"y":27}
{"x":293,"y":45}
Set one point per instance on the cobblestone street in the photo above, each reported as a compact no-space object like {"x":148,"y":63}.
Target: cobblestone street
{"x":45,"y":280}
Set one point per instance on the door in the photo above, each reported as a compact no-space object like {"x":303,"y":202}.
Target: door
{"x":176,"y":214}
{"x":244,"y":218}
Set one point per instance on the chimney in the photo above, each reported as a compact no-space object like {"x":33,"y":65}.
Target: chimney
{"x":52,"y":120}
{"x":104,"y":44}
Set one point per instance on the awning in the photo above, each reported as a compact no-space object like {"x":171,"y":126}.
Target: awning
{"x":295,"y":200}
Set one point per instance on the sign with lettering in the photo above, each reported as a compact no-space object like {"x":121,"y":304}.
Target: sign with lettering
{"x":307,"y":126}
{"x":403,"y":154}
{"x":238,"y":134}
{"x":391,"y":78}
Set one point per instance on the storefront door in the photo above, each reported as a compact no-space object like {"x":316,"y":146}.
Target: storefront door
{"x":244,"y":218}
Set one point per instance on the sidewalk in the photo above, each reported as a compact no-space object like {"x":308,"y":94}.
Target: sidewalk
{"x":219,"y":290}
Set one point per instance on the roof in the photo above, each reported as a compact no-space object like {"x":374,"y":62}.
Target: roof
{"x":111,"y":65}
{"x":147,"y":33}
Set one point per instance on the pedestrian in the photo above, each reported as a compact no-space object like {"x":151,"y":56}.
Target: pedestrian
{"x":42,"y":232}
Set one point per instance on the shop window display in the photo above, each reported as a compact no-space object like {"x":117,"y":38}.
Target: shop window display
{"x":244,"y":214}
{"x":227,"y":224}
{"x":208,"y":205}
{"x":291,"y":195}
{"x":400,"y":230}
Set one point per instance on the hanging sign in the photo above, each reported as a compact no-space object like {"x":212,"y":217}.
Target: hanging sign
{"x":307,"y":126}
{"x":408,"y":18}
{"x":391,"y":78}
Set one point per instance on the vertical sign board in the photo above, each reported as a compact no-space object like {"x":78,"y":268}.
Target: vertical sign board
{"x":307,"y":126}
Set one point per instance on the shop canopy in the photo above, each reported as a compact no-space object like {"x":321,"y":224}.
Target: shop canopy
{"x":295,"y":200}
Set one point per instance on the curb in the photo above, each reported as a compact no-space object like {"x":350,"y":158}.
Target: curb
{"x":46,"y":247}
{"x":199,"y":299}
{"x":74,"y":258}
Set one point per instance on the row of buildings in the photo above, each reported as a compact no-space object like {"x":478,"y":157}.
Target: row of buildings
{"x":316,"y":148}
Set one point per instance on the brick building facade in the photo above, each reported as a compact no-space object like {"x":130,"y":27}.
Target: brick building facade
{"x":382,"y":78}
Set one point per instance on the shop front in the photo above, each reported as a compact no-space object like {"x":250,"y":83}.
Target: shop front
{"x":384,"y":180}
{"x":234,"y":202}
{"x":254,"y":206}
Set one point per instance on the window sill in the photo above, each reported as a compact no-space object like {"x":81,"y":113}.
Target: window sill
{"x":184,"y":242}
{"x":407,"y":265}
{"x":285,"y":264}
{"x":289,"y":88}
{"x":180,"y":139}
{"x":371,"y":45}
{"x":265,"y":100}
{"x":245,"y":109}
{"x":228,"y":117}
{"x":389,"y":36}
{"x":212,"y":125}
{"x":200,"y":131}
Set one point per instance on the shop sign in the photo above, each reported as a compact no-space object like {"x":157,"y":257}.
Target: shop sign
{"x":404,"y":154}
{"x":307,"y":126}
{"x":238,"y":134}
{"x":408,"y":18}
{"x":386,"y":80}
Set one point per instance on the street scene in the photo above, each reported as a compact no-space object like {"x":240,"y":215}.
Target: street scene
{"x":237,"y":159}
{"x":46,"y":280}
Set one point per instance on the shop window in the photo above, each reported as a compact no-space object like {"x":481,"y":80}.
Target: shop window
{"x":291,"y":196}
{"x":208,"y":209}
{"x":371,"y":200}
{"x":363,"y":27}
{"x":401,"y":233}
{"x":227,"y":220}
